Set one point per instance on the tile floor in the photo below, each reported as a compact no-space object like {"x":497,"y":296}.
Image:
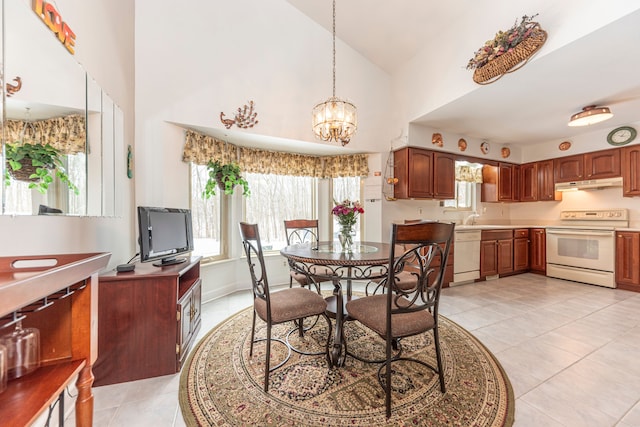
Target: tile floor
{"x":570,"y":350}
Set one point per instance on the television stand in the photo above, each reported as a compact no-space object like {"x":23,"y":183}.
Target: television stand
{"x":169,"y":261}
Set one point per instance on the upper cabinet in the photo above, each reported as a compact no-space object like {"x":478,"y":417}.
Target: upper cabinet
{"x":537,"y":183}
{"x":423,"y":174}
{"x":595,"y":165}
{"x":631,"y":171}
{"x":501,"y":183}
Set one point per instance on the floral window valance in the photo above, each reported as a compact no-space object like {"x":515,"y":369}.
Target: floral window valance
{"x":67,"y":134}
{"x":201,"y":148}
{"x":467,"y":173}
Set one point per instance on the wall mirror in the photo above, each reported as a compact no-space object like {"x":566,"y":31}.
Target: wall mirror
{"x":60,"y":105}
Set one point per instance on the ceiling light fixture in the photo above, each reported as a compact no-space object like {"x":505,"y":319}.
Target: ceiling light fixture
{"x":335,"y":119}
{"x":590,"y":115}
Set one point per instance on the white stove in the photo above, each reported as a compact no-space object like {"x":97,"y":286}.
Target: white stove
{"x":582,"y":246}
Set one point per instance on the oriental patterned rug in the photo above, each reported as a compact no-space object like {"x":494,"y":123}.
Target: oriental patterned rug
{"x":220,"y":385}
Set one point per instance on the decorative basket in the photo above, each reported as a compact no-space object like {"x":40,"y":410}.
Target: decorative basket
{"x":513,"y":60}
{"x":24,"y":173}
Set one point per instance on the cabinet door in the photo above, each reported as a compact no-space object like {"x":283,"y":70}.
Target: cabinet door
{"x":529,"y":182}
{"x":184,"y":324}
{"x":569,"y":168}
{"x":505,"y":256}
{"x":602,"y":164}
{"x":546,"y":188}
{"x":538,"y":253}
{"x":444,"y":176}
{"x":520,"y":254}
{"x":420,"y":180}
{"x":488,"y":258}
{"x":631,"y":171}
{"x":628,"y":258}
{"x":505,"y":182}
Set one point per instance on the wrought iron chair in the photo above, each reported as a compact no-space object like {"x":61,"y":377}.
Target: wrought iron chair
{"x":292,"y":304}
{"x":303,"y":231}
{"x":403,"y":312}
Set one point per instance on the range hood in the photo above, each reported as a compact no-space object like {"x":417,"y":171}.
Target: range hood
{"x":593,"y":184}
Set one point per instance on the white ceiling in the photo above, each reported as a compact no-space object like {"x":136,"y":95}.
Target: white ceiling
{"x":601,"y":68}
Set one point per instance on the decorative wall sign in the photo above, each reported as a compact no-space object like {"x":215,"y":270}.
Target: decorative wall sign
{"x":462,"y":144}
{"x":50,"y":16}
{"x":564,"y":146}
{"x":436,"y":139}
{"x":244,"y":118}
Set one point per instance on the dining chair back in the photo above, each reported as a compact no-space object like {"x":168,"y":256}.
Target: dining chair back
{"x":408,"y":310}
{"x":290,"y":304}
{"x":305,"y":231}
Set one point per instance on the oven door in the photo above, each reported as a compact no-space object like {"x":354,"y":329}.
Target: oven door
{"x":590,"y":249}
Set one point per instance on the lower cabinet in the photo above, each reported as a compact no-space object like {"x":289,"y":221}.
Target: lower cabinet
{"x":521,"y":250}
{"x":538,"y":251}
{"x":628,"y":260}
{"x":496,"y":252}
{"x":148,"y":320}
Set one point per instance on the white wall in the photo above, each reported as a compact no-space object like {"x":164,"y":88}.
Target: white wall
{"x":203,"y":58}
{"x":104,"y":46}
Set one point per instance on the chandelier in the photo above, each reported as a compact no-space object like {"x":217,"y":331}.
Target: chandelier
{"x":335,"y":119}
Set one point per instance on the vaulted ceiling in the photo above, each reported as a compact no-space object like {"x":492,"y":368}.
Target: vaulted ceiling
{"x":600,"y":68}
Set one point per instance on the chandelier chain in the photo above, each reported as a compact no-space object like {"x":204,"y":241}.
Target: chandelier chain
{"x":334,"y":48}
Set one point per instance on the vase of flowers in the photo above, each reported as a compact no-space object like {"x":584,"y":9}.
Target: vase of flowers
{"x":347,"y":214}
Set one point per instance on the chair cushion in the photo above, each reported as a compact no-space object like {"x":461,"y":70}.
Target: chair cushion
{"x":290,"y":304}
{"x":370,"y":311}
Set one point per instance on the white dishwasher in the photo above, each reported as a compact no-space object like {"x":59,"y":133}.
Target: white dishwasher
{"x":466,"y":256}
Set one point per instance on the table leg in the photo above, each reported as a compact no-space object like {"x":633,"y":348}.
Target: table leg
{"x":337,"y":355}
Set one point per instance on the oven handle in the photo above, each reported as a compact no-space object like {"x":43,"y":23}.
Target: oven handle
{"x":581,"y":232}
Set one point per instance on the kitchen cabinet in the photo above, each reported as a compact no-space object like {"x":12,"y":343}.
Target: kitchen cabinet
{"x":496,"y":252}
{"x":538,"y":250}
{"x":424,"y":174}
{"x":628,"y":260}
{"x":631,"y":171}
{"x":500,"y":183}
{"x":546,"y":185}
{"x":594,"y":165}
{"x":444,"y":176}
{"x":537,"y":182}
{"x":520,"y":250}
{"x":148,"y":320}
{"x":414,"y":169}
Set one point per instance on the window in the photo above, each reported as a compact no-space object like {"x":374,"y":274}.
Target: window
{"x":346,"y":188}
{"x":207,"y":217}
{"x":275,"y":198}
{"x":468,"y":175}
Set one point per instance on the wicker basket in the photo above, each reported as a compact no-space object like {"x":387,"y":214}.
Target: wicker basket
{"x":24,"y":173}
{"x":511,"y":61}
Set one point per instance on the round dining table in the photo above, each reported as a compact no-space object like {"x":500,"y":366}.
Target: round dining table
{"x":327,"y":261}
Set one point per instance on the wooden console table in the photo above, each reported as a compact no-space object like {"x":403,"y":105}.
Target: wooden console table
{"x":56,"y":294}
{"x":148,"y":321}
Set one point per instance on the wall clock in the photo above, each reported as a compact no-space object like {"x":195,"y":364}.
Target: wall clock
{"x":622,"y":135}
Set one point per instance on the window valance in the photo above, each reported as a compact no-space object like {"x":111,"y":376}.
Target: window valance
{"x":201,"y":148}
{"x":67,"y":134}
{"x":467,"y":173}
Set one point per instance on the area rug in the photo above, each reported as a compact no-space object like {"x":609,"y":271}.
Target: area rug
{"x":221,"y":385}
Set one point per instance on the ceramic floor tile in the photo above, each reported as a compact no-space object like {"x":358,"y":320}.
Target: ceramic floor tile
{"x":568,"y":349}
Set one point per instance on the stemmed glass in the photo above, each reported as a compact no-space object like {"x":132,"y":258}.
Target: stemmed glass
{"x":23,"y":351}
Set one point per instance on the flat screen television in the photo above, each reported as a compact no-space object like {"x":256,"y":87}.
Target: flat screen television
{"x":164,"y":234}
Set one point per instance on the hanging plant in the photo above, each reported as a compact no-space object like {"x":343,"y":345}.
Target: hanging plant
{"x":225,"y":177}
{"x":36,"y":164}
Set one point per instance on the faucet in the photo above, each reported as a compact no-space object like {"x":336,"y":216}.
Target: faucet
{"x":471,"y":218}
